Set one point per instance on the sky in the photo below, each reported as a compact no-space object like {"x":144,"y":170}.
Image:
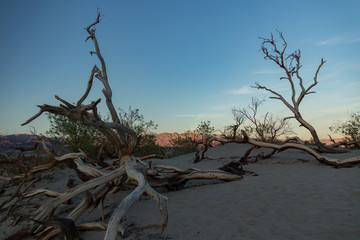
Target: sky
{"x":179,"y":62}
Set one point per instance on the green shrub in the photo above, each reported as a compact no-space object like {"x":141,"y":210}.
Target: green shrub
{"x":74,"y":134}
{"x":182,"y":146}
{"x":147,"y":146}
{"x":350,"y":129}
{"x":205,"y":128}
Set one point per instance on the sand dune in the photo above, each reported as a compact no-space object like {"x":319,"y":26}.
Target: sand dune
{"x":293,"y":197}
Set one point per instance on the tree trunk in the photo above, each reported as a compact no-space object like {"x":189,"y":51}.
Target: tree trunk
{"x":321,"y":147}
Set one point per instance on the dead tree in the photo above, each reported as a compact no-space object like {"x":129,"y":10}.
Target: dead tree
{"x":233,"y":129}
{"x":121,"y":137}
{"x":268,"y":128}
{"x":295,"y":143}
{"x":323,"y":159}
{"x":124,"y":139}
{"x":291,"y":66}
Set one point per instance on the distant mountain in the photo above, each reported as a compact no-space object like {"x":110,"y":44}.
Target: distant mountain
{"x":10,"y":142}
{"x":165,"y":139}
{"x":17,"y":140}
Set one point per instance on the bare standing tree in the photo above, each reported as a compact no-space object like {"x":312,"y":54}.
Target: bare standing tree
{"x":233,"y":129}
{"x":291,"y":66}
{"x":268,"y":128}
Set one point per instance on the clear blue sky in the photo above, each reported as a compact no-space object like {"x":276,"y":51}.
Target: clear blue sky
{"x":179,"y":62}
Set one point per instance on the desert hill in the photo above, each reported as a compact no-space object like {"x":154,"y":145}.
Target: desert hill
{"x":10,"y":142}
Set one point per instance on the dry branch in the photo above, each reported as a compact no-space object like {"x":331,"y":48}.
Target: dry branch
{"x":291,"y":66}
{"x":294,"y":142}
{"x":345,"y":143}
{"x":339,"y":163}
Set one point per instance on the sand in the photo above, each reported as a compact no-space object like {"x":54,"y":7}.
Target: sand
{"x":293,"y":197}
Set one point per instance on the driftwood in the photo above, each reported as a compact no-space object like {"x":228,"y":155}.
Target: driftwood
{"x":157,"y":176}
{"x":74,"y":160}
{"x":298,"y":144}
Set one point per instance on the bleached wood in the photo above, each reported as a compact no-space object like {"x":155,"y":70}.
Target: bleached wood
{"x":86,"y":169}
{"x":119,"y":212}
{"x":286,"y":145}
{"x":43,"y":191}
{"x":323,"y":159}
{"x":47,"y":209}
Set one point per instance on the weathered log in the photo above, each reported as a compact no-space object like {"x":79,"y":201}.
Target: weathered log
{"x":298,"y":144}
{"x":236,"y":168}
{"x":208,"y":139}
{"x":345,"y":143}
{"x":339,"y":163}
{"x":111,"y":233}
{"x":175,"y":178}
{"x":45,"y":211}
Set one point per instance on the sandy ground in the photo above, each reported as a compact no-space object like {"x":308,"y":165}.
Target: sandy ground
{"x":293,"y":197}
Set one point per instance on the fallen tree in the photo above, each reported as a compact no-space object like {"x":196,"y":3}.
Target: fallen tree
{"x":294,"y":143}
{"x":97,"y":183}
{"x":348,"y":143}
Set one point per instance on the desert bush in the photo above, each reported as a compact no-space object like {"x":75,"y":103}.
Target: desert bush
{"x":205,"y":128}
{"x":147,"y":146}
{"x":132,"y":118}
{"x":78,"y":136}
{"x":350,"y":129}
{"x":182,"y":146}
{"x":188,"y":143}
{"x":73,"y":134}
{"x":266,"y":128}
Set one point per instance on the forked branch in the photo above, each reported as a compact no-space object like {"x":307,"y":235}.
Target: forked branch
{"x":291,"y":66}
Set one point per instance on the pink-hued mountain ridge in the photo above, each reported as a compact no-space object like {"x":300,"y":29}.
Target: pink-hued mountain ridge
{"x":162,"y":139}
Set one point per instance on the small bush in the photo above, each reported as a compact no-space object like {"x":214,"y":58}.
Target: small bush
{"x":74,"y":134}
{"x":205,"y":128}
{"x":350,"y":129}
{"x":147,"y":146}
{"x":182,"y":146}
